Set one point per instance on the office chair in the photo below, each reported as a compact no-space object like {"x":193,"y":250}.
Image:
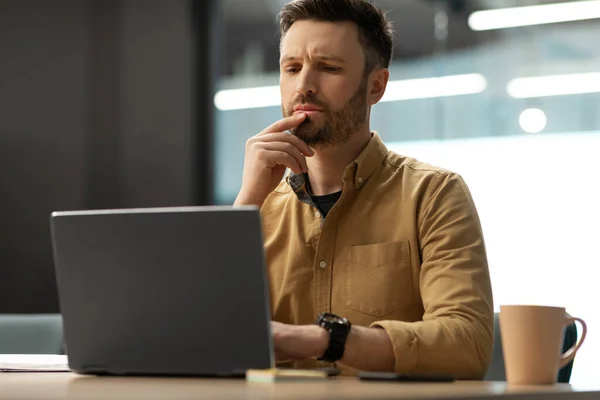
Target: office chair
{"x":31,"y":334}
{"x":496,"y":370}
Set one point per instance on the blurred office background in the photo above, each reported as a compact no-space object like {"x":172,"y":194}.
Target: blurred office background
{"x":136,"y":103}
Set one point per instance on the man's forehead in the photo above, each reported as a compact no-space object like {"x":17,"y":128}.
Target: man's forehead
{"x":323,"y":39}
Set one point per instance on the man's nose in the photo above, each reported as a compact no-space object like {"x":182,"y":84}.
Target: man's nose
{"x":307,"y":83}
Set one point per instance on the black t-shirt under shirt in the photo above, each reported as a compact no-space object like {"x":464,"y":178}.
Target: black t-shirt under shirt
{"x":326,"y":202}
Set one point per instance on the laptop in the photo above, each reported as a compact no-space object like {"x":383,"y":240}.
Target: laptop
{"x":163,"y":291}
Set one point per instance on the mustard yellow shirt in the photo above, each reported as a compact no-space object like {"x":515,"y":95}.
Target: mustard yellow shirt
{"x":402,"y":249}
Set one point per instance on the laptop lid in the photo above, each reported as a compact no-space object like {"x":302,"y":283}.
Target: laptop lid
{"x":163,"y":291}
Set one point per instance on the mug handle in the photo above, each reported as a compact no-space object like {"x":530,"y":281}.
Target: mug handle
{"x":569,"y":355}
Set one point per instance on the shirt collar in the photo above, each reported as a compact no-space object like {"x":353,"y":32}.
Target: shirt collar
{"x":357,"y":173}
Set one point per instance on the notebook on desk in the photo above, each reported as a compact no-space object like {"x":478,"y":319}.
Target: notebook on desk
{"x":163,"y":291}
{"x":33,"y":363}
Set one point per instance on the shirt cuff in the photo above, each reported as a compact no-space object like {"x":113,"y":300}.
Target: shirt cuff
{"x":404,"y":344}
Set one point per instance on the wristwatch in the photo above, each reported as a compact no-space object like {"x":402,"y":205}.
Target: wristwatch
{"x":338,"y":329}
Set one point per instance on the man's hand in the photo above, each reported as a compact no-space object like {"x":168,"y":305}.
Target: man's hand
{"x":367,"y":349}
{"x":268,"y":154}
{"x":298,"y":342}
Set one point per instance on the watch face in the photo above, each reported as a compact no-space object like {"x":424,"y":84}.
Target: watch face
{"x":333,"y":319}
{"x":330,"y":318}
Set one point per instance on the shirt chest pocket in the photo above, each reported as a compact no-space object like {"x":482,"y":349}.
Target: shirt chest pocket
{"x":379,"y":279}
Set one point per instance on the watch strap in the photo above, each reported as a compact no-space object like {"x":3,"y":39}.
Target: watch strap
{"x":338,"y":334}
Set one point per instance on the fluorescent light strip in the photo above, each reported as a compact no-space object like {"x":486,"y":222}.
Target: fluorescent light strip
{"x":269,"y":96}
{"x":241,"y":99}
{"x":443,"y":86}
{"x":534,"y":15}
{"x":554,"y":85}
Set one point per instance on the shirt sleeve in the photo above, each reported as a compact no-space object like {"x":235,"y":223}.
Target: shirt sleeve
{"x":456,"y":333}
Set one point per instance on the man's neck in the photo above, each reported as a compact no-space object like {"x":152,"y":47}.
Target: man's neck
{"x":326,"y":168}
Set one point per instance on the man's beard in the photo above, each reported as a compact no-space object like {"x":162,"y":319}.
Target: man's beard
{"x":337,"y":126}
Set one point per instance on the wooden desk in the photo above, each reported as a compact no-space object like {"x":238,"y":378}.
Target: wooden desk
{"x":53,"y":386}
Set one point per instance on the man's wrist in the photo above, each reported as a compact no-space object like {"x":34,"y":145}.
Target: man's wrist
{"x":246,"y":200}
{"x":321,"y":340}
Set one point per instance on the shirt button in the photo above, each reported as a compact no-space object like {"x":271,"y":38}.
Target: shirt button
{"x":359,"y":179}
{"x":322,"y":264}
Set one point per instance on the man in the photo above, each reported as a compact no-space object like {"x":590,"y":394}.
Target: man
{"x":384,"y":252}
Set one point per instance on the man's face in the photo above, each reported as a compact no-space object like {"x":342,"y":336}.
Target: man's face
{"x":322,"y":74}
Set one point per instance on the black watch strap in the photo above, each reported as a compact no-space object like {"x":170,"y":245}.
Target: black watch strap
{"x":338,"y":329}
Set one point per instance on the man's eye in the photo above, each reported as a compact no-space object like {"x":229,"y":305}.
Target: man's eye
{"x":291,"y":70}
{"x":331,"y":69}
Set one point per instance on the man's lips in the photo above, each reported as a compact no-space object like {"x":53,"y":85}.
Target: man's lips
{"x":308,"y":110}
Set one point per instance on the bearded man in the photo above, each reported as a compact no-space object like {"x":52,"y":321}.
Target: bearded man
{"x":376,"y":261}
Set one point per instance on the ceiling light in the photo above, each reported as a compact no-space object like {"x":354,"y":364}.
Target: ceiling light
{"x":239,"y":99}
{"x":443,"y":86}
{"x":534,"y":15}
{"x":554,"y":85}
{"x":533,"y":120}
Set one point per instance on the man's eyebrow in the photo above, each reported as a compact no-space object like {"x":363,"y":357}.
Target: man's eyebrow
{"x":325,"y":57}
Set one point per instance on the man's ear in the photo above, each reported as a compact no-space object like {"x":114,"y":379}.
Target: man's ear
{"x":378,"y":82}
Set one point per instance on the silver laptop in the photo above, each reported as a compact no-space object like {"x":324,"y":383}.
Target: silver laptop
{"x":163,"y":291}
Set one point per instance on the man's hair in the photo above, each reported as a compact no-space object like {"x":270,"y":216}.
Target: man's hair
{"x":375,"y":32}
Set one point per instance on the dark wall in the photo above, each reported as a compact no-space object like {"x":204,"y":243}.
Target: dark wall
{"x":96,"y":101}
{"x":156,"y":108}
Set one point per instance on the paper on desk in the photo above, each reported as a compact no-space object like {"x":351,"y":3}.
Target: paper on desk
{"x":33,"y":363}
